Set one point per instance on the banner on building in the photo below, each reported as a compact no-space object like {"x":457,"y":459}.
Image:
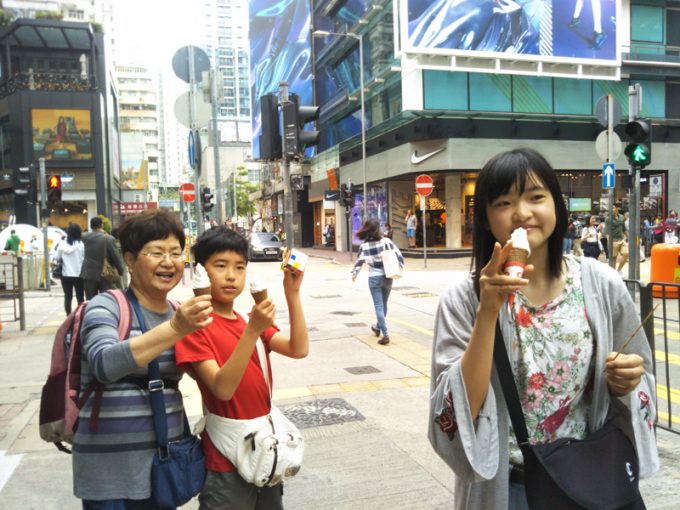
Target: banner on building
{"x":61,"y":134}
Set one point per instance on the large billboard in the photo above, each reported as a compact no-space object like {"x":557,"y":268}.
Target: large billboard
{"x":61,"y":134}
{"x":578,"y":31}
{"x":280,"y":50}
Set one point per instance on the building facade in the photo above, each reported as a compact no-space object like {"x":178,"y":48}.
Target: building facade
{"x":445,"y":113}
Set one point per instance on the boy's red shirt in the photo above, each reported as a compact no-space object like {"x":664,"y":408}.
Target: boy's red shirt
{"x":251,"y":398}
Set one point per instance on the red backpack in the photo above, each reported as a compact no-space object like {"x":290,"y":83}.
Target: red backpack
{"x":59,"y":404}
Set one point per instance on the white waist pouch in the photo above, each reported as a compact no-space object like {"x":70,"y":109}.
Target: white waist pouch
{"x":266,"y":450}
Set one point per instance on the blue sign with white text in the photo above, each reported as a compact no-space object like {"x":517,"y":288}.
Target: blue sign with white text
{"x":608,"y":175}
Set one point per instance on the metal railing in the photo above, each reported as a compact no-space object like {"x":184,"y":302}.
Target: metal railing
{"x":663,"y":334}
{"x":12,"y":290}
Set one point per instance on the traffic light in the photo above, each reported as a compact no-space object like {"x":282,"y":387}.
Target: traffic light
{"x":206,"y":199}
{"x":346,"y":197}
{"x":270,"y":139}
{"x":53,"y":189}
{"x":639,"y":148}
{"x":25,"y":183}
{"x":296,"y":139}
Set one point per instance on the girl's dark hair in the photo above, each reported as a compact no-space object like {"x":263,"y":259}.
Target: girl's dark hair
{"x":500,"y":173}
{"x":219,"y":239}
{"x":148,"y":226}
{"x":369,"y":231}
{"x":73,"y":233}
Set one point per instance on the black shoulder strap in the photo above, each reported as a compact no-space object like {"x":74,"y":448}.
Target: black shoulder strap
{"x":502,"y":362}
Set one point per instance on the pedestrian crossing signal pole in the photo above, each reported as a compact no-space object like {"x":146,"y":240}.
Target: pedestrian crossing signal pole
{"x":289,"y":144}
{"x":45,"y":220}
{"x":639,"y":155}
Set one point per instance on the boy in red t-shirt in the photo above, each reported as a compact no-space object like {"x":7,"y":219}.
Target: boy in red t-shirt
{"x":223,"y":359}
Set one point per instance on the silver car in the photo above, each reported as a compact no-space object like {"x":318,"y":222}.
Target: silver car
{"x":264,"y":245}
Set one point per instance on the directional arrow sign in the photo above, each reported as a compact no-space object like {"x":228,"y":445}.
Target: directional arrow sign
{"x":608,"y":175}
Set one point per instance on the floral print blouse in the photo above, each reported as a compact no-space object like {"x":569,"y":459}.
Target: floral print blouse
{"x":552,"y":360}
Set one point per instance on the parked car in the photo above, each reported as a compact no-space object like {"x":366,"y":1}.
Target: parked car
{"x":264,"y":245}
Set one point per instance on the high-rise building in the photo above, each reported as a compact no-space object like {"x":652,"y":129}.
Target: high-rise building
{"x":70,"y":10}
{"x":138,"y":114}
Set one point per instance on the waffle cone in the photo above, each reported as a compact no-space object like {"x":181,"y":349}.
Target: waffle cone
{"x":518,"y":256}
{"x":259,"y":296}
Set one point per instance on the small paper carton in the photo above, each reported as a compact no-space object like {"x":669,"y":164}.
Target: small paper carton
{"x":294,"y":260}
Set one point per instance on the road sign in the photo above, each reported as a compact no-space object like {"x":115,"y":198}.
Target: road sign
{"x":608,"y":175}
{"x":424,"y":185}
{"x":194,"y":150}
{"x":180,"y":63}
{"x":331,"y":195}
{"x":602,"y":145}
{"x":187,"y":192}
{"x":655,"y":185}
{"x":602,"y":112}
{"x":181,"y":108}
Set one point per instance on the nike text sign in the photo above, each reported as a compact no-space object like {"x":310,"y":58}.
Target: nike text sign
{"x":424,"y":185}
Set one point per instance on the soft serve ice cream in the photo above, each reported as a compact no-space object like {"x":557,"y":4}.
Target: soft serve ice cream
{"x":201,"y":283}
{"x":519,"y":253}
{"x":258,"y":290}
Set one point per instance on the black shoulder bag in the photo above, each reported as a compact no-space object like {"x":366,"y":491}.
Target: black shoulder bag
{"x":599,"y":472}
{"x":178,"y":468}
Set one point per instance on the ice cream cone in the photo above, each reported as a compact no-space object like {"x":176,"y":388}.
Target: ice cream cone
{"x":259,"y":296}
{"x":517,"y":259}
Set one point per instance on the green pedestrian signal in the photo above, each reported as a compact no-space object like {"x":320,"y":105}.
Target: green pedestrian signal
{"x":639,"y":149}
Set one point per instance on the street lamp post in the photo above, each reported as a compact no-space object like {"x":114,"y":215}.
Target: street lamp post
{"x":359,"y":37}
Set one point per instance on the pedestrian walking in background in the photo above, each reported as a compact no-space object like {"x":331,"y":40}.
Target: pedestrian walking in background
{"x":603,"y":239}
{"x":71,"y":252}
{"x":569,"y":237}
{"x":411,"y":225}
{"x":13,"y":242}
{"x":578,"y":231}
{"x":98,"y":246}
{"x":647,"y":234}
{"x":373,"y":244}
{"x":112,"y":470}
{"x":554,"y":351}
{"x":618,"y":244}
{"x":670,"y":227}
{"x":590,"y":239}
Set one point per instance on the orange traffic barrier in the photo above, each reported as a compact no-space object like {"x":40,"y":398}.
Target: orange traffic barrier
{"x":665,"y":268}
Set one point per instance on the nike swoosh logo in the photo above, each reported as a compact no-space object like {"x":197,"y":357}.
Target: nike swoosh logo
{"x":416,"y":160}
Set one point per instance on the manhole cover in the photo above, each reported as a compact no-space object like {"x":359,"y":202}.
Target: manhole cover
{"x":329,"y":296}
{"x":355,"y":324}
{"x":317,"y":413}
{"x":343,"y":313}
{"x":420,"y":294}
{"x":368,"y":369}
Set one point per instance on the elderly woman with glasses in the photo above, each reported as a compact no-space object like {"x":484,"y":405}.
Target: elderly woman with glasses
{"x":115,"y":441}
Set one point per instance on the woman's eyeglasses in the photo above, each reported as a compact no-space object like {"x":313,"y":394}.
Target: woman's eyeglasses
{"x":158,"y":256}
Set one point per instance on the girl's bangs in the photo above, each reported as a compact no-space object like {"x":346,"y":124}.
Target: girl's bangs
{"x":507,"y":174}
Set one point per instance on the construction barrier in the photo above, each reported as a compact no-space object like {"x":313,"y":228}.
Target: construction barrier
{"x":665,"y":267}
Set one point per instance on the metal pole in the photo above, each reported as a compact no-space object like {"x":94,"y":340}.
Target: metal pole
{"x":634,"y":98}
{"x":216,"y":147}
{"x":610,"y":158}
{"x":287,"y":192}
{"x":363,"y":123}
{"x":233,"y":178}
{"x":44,"y":219}
{"x":423,"y":208}
{"x":20,"y":283}
{"x":192,"y":123}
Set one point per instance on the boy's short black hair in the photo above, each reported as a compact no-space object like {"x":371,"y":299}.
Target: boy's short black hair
{"x":219,"y":239}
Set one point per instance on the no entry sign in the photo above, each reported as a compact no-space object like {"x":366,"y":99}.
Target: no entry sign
{"x":424,"y":185}
{"x":187,"y":192}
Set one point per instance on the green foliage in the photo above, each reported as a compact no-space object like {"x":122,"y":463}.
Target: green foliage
{"x":243,"y":190}
{"x":55,"y":15}
{"x":106,"y":223}
{"x":97,"y":28}
{"x":5,"y":18}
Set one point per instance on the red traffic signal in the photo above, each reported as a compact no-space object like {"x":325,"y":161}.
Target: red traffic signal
{"x":53,"y":189}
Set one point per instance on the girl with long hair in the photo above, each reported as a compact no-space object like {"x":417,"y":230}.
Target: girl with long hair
{"x":562,"y":323}
{"x":71,"y":252}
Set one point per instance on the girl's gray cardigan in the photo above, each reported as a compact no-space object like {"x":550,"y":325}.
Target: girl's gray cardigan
{"x":477,"y":450}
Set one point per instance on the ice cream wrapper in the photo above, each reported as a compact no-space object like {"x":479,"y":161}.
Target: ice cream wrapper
{"x":514,"y":266}
{"x":294,"y":260}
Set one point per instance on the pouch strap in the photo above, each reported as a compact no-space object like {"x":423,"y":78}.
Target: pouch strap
{"x":262,"y":356}
{"x":155,"y":385}
{"x":502,"y":362}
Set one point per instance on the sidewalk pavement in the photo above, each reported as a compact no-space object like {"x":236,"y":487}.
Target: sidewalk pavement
{"x":362,"y":408}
